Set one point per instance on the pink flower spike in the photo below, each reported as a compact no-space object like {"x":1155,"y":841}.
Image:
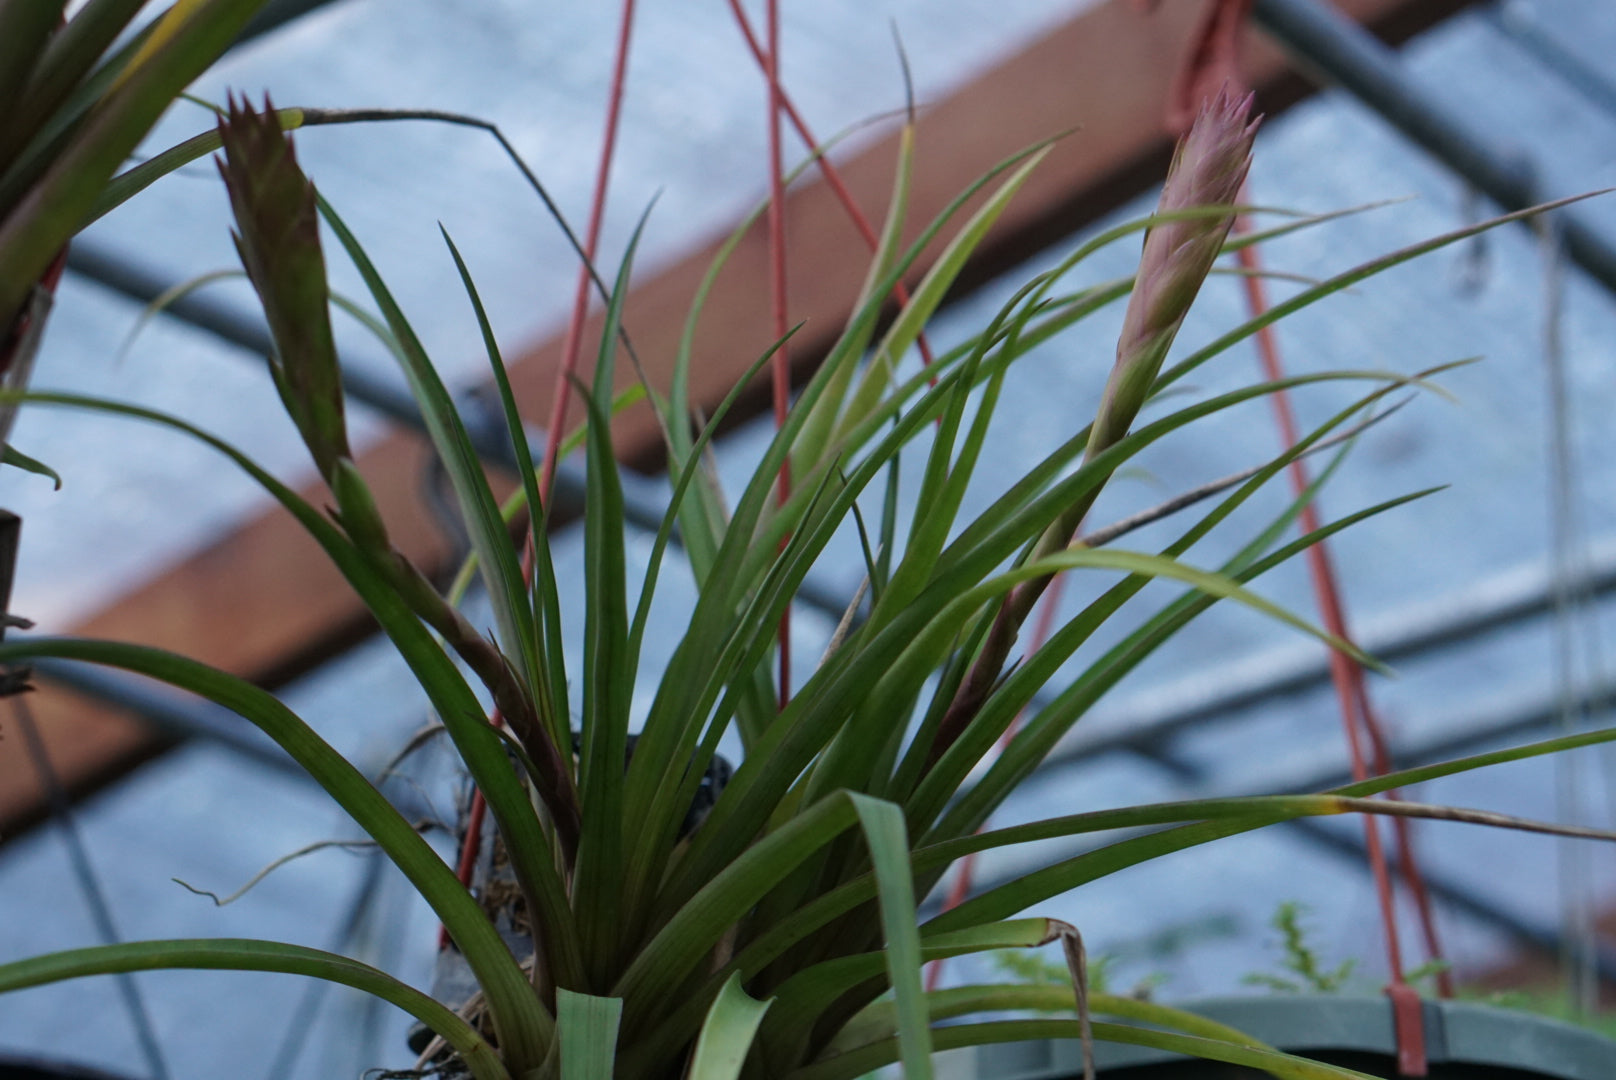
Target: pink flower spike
{"x":1208,"y":170}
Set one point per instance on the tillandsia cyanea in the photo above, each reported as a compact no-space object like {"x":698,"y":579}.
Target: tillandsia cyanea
{"x":779,"y":938}
{"x":1209,"y":167}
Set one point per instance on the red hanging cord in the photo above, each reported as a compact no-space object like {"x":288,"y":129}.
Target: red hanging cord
{"x":827,"y":168}
{"x":572,"y":343}
{"x":1347,"y":677}
{"x":1214,"y":60}
{"x":961,"y":887}
{"x":571,"y":348}
{"x":781,"y":362}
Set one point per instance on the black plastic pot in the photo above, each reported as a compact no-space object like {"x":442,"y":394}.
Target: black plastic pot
{"x":17,"y":1068}
{"x":1463,"y":1042}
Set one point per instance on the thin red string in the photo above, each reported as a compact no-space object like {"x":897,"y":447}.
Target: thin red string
{"x":572,"y":343}
{"x":1347,"y":676}
{"x":777,"y":299}
{"x":1214,"y":61}
{"x":961,"y":887}
{"x":571,"y":349}
{"x":827,"y":168}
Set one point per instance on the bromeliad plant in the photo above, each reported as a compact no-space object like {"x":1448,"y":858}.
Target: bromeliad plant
{"x":780,"y":938}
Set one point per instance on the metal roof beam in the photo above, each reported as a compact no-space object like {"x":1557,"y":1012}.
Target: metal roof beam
{"x":1324,"y":40}
{"x":1492,"y":604}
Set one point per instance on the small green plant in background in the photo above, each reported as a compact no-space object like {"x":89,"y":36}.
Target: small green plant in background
{"x":1151,"y":952}
{"x":779,"y":939}
{"x":1553,"y":1002}
{"x":1307,"y":973}
{"x":1035,"y":968}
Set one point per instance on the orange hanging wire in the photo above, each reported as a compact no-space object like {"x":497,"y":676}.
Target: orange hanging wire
{"x":781,"y":362}
{"x":827,"y":168}
{"x":1213,"y":62}
{"x":571,"y":349}
{"x":1346,"y":674}
{"x":1049,"y":604}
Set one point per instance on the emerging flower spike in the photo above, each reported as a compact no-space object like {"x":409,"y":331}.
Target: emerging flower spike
{"x":278,"y":237}
{"x":1208,"y":170}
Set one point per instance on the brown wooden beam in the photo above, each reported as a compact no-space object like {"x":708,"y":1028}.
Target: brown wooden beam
{"x":1105,"y":72}
{"x":263,"y":602}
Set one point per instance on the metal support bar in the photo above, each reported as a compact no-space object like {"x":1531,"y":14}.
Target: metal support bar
{"x":1516,"y":23}
{"x":1320,"y":37}
{"x":1466,"y":737}
{"x":1491,"y":604}
{"x":274,"y":15}
{"x":189,"y":717}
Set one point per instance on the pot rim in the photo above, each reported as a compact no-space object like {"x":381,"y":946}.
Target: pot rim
{"x":1456,"y":1032}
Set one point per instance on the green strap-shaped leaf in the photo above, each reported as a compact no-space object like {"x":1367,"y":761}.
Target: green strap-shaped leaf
{"x":508,"y":991}
{"x":609,"y":669}
{"x":912,"y":319}
{"x":906,"y":649}
{"x":232,"y":954}
{"x":481,"y":943}
{"x":876,"y":1021}
{"x":497,"y":558}
{"x":666,"y":960}
{"x":863,"y":752}
{"x":587,"y":1029}
{"x":25,"y":25}
{"x":167,"y":299}
{"x":727,"y":1033}
{"x":729,"y":578}
{"x":809,"y":996}
{"x":10,"y":455}
{"x":661,"y":781}
{"x":72,"y":52}
{"x":480,"y":511}
{"x":817,"y":432}
{"x":786,"y":748}
{"x":1212,"y":819}
{"x":734,"y":571}
{"x":545,"y":691}
{"x":1034,"y":673}
{"x":1016,"y":896}
{"x":857,"y":1063}
{"x":1039,"y":736}
{"x":888,"y":838}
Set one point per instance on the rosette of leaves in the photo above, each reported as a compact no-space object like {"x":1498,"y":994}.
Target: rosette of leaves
{"x":77,"y":95}
{"x":780,"y":940}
